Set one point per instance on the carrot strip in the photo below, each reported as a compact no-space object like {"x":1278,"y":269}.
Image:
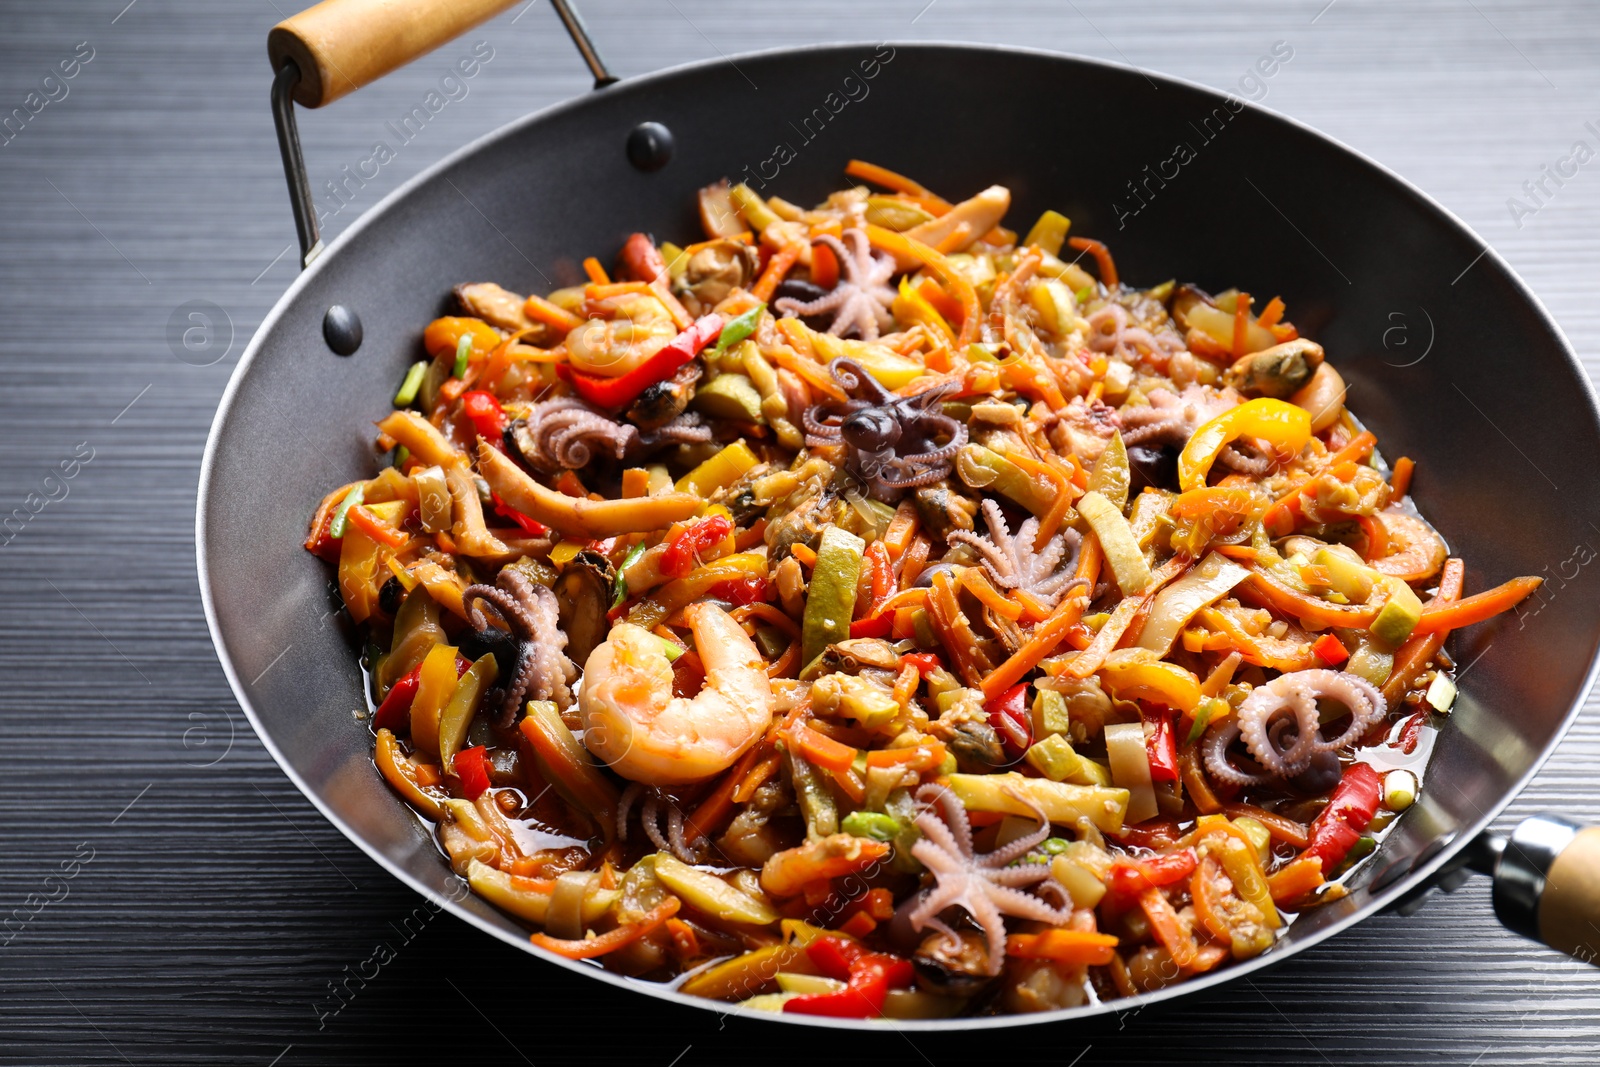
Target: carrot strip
{"x":1281,"y":827}
{"x":1400,"y":480}
{"x":757,"y":777}
{"x":539,"y":309}
{"x":1418,"y":650}
{"x":1102,"y":258}
{"x":596,"y":272}
{"x":821,"y":749}
{"x":606,"y":290}
{"x":766,"y":613}
{"x":815,"y":375}
{"x":804,"y":553}
{"x":369,"y":524}
{"x":1263,"y":589}
{"x":1354,"y":451}
{"x":899,"y":183}
{"x":777,"y":268}
{"x":1272,"y":314}
{"x":955,"y":239}
{"x":1058,"y":507}
{"x":1043,"y":641}
{"x":824,"y":267}
{"x":1478,"y":607}
{"x":1241,"y":322}
{"x":610,"y":941}
{"x":977,"y":583}
{"x":1167,"y":927}
{"x":1064,"y":946}
{"x":712,"y":813}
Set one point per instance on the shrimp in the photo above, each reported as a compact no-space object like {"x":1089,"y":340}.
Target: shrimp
{"x":613,"y":347}
{"x":633,"y":722}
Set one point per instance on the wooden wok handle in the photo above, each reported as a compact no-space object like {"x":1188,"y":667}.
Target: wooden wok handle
{"x":341,"y":45}
{"x":1547,"y":885}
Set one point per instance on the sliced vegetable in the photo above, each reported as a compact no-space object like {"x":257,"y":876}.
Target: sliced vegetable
{"x":1116,"y":539}
{"x":710,"y":895}
{"x":1210,"y":580}
{"x":620,"y":391}
{"x":456,"y":717}
{"x":870,"y":976}
{"x":1277,"y":422}
{"x":1130,"y":769}
{"x":831,"y":595}
{"x":1349,"y":811}
{"x":472,"y":767}
{"x":1061,"y":802}
{"x":412,"y":382}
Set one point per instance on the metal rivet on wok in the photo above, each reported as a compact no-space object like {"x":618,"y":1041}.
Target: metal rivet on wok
{"x":341,"y":328}
{"x":650,"y":146}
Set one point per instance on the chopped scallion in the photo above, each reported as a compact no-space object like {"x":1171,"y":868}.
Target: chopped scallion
{"x":737,"y":329}
{"x":1442,"y":692}
{"x":413,"y":382}
{"x":463,"y":351}
{"x":341,"y":516}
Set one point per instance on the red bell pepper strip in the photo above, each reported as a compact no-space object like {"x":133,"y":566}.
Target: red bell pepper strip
{"x":619,"y":392}
{"x":1162,"y":748}
{"x":880,"y":569}
{"x":472,"y":767}
{"x":533,"y":527}
{"x":1130,"y":877}
{"x":872,"y":626}
{"x":684,"y":549}
{"x":641,"y":259}
{"x":870,"y":976}
{"x":1330,"y":649}
{"x":487,"y":417}
{"x":1008,"y":714}
{"x":1349,"y":812}
{"x":740,"y":591}
{"x":924,"y":662}
{"x":395,"y":711}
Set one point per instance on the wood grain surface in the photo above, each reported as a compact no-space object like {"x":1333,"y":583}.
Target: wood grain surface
{"x":183,"y":904}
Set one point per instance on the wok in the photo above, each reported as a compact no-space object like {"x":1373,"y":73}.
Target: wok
{"x":1485,"y":393}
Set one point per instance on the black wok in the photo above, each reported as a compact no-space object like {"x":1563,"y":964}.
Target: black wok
{"x":1484,"y":393}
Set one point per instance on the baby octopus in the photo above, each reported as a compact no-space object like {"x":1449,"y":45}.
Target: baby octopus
{"x":861,"y":300}
{"x":892,"y":441}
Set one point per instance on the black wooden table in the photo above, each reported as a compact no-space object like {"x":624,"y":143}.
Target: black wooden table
{"x":167,"y":897}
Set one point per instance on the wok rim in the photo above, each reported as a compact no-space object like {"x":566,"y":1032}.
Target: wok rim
{"x":1420,"y":874}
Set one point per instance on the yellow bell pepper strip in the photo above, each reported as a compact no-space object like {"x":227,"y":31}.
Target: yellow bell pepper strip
{"x":579,"y":517}
{"x":720,"y":471}
{"x":1277,"y":422}
{"x":1213,"y":579}
{"x":444,"y":336}
{"x":1049,"y":233}
{"x":909,"y":250}
{"x":912,"y":306}
{"x":456,"y":717}
{"x":620,"y":391}
{"x":401,"y":773}
{"x":1116,"y":539}
{"x":436,"y":683}
{"x":1237,"y":853}
{"x":1157,"y":683}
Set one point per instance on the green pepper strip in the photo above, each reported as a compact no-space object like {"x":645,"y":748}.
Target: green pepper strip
{"x":738,"y":329}
{"x":341,"y":516}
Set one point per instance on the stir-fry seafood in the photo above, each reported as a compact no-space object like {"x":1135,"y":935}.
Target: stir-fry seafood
{"x":864,"y":611}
